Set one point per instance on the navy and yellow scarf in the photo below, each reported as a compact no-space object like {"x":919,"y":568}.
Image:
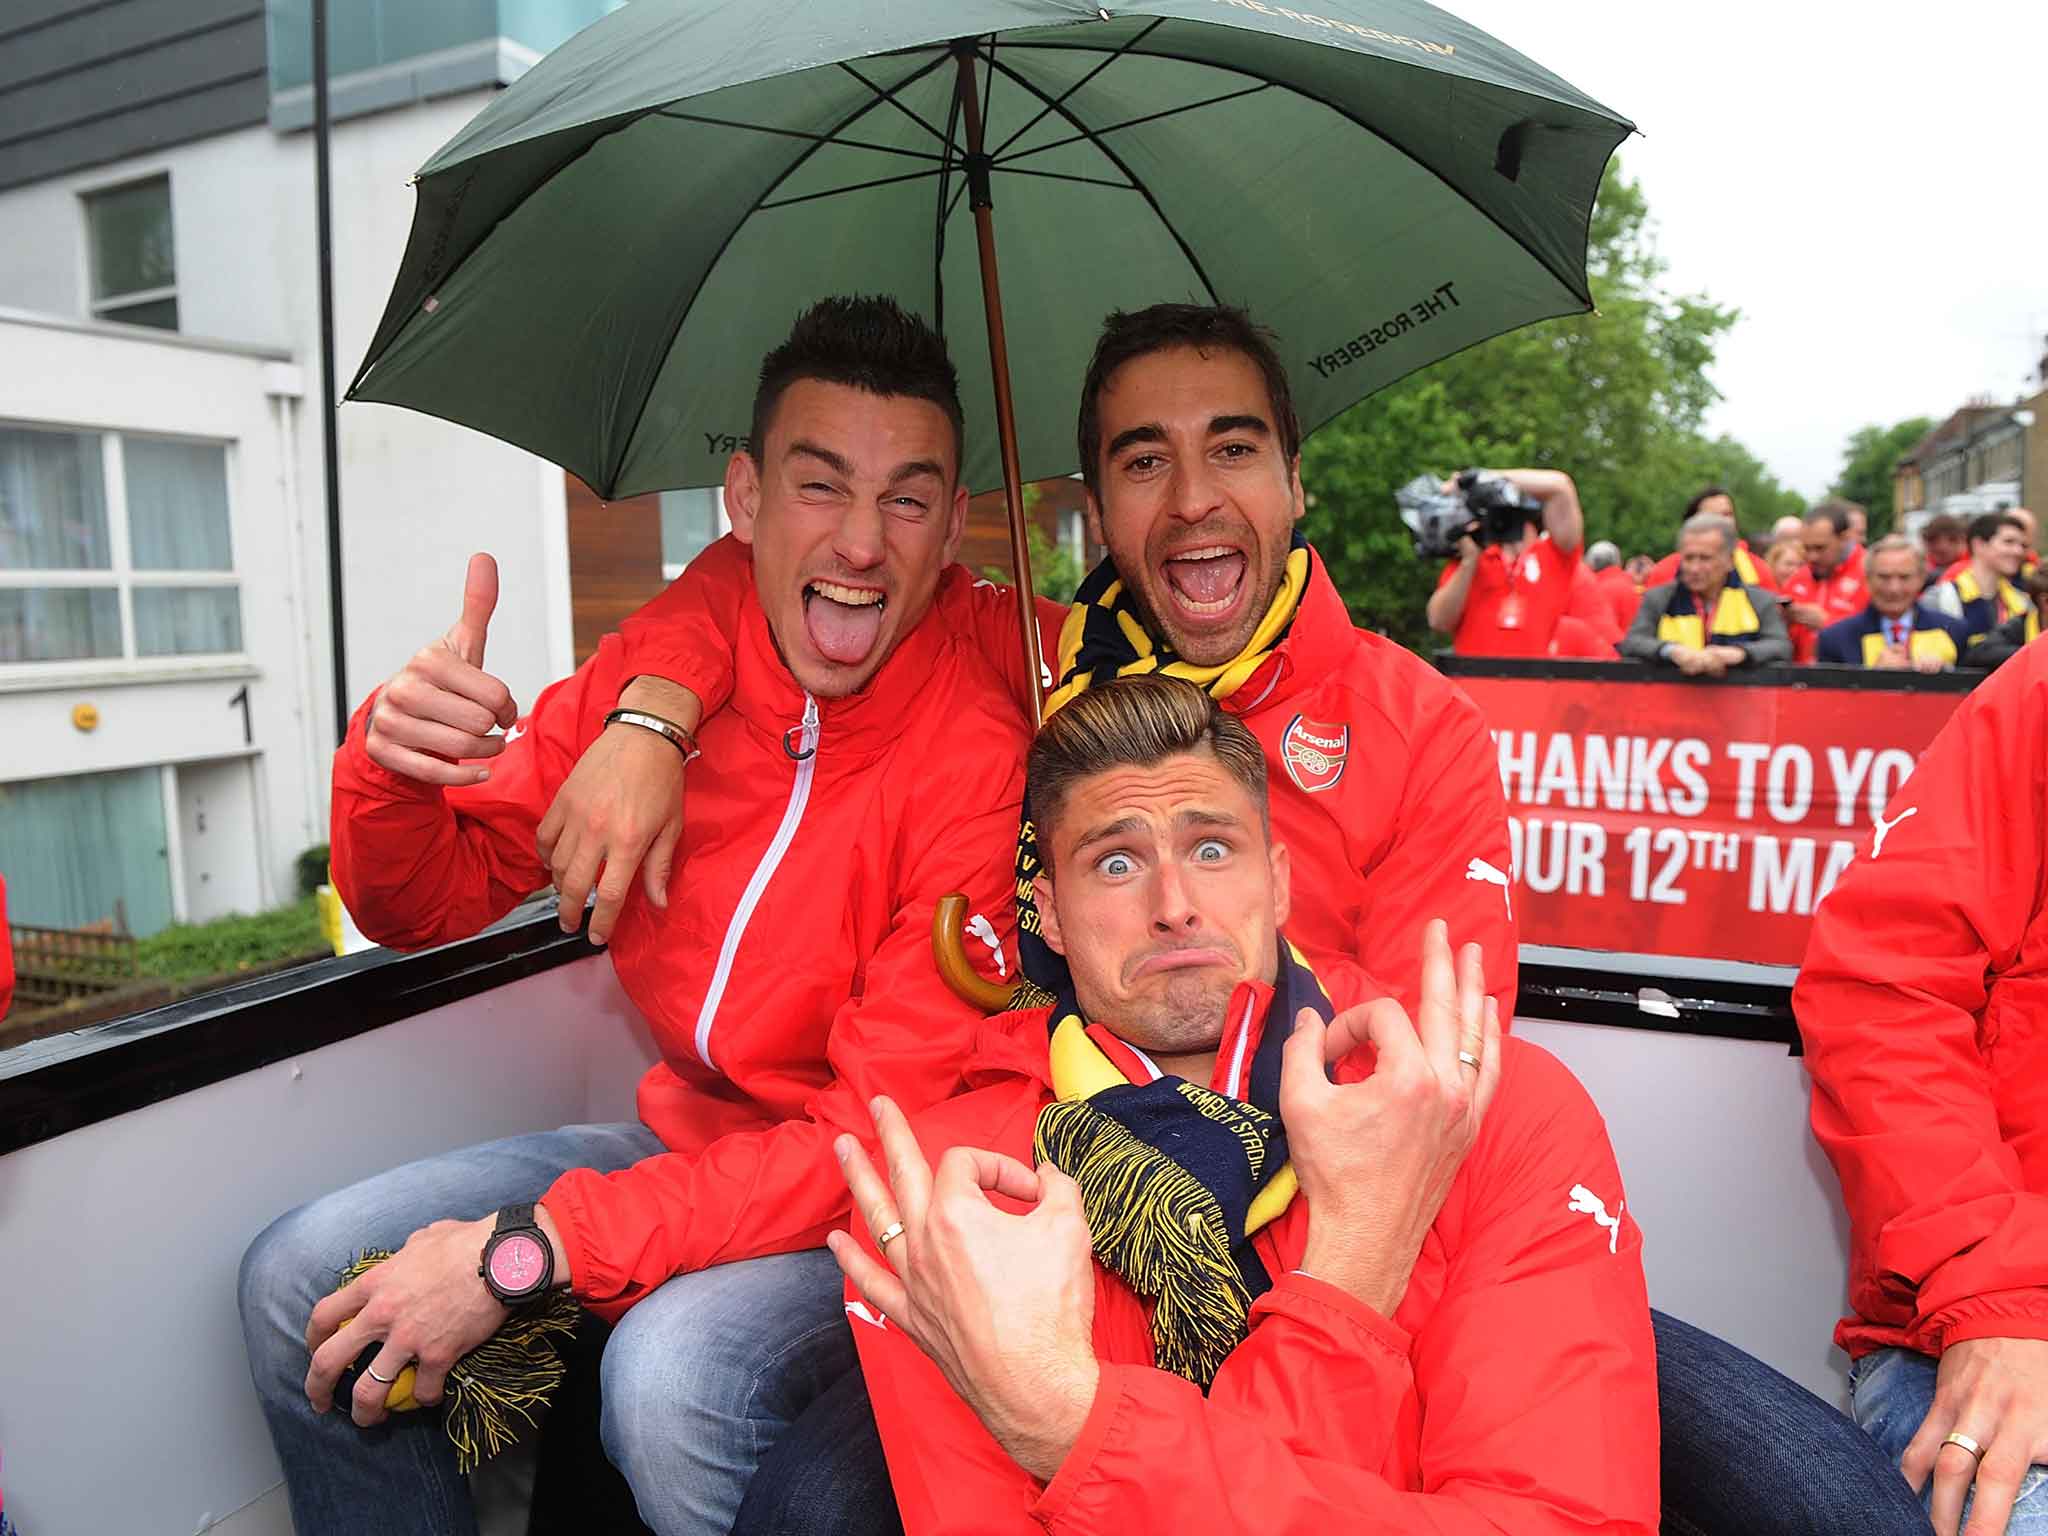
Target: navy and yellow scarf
{"x":1104,"y":638}
{"x":1177,"y":1177}
{"x":1735,"y":619}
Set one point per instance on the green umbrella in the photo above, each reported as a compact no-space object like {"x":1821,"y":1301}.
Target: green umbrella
{"x":600,"y":258}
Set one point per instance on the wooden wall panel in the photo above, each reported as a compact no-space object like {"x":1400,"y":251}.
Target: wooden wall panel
{"x":614,"y":561}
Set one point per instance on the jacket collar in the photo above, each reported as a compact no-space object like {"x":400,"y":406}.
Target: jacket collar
{"x":768,"y":696}
{"x":1014,"y":1045}
{"x":1319,"y":641}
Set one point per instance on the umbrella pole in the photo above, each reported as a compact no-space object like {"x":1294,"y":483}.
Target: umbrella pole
{"x":983,"y":203}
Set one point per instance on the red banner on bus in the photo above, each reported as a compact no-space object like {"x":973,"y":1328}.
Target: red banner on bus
{"x":1680,"y":819}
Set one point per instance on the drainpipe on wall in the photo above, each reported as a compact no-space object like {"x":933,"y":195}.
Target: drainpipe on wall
{"x":329,"y":432}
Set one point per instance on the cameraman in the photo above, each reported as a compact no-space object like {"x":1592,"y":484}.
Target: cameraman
{"x":1505,"y":599}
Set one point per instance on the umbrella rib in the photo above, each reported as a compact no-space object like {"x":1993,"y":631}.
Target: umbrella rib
{"x":1117,"y":160}
{"x":676,"y":329}
{"x":798,"y":133}
{"x":889,"y":95}
{"x":858,"y":186}
{"x":1133,"y":122}
{"x":941,"y":212}
{"x":1085,"y":181}
{"x":1575,"y":287}
{"x":1136,"y":38}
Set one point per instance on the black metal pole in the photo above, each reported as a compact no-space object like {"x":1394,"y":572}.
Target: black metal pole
{"x":330,"y":446}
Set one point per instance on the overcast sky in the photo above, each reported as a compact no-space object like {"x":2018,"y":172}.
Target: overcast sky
{"x":1868,"y":184}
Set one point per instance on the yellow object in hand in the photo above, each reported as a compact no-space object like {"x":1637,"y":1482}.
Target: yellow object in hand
{"x":398,"y":1397}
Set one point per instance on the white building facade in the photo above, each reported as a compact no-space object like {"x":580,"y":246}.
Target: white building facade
{"x":166,"y":672}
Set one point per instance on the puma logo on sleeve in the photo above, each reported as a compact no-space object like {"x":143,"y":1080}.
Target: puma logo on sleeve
{"x":1884,"y":828}
{"x":1480,"y":870}
{"x":1584,"y":1200}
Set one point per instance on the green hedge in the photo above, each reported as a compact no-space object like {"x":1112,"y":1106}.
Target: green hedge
{"x":228,"y":946}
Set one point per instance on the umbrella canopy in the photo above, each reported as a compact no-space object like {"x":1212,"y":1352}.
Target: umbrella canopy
{"x":600,"y":259}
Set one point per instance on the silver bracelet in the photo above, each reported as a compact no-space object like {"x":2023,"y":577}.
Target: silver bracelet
{"x":681,"y":739}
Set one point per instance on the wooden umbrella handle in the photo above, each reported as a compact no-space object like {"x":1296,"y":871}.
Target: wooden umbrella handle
{"x":949,"y":953}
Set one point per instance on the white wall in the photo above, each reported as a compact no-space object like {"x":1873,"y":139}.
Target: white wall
{"x":1744,"y":1233}
{"x":118,"y":1333}
{"x":418,"y":494}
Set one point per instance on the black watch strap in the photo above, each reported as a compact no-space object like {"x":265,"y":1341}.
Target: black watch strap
{"x":516,"y":1220}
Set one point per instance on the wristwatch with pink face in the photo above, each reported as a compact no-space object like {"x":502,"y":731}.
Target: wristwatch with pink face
{"x":517,"y":1265}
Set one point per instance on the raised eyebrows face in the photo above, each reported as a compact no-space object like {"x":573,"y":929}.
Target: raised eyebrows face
{"x":854,"y":510}
{"x":1198,"y":499}
{"x":1894,"y":581}
{"x":1704,"y":561}
{"x":1164,"y":892}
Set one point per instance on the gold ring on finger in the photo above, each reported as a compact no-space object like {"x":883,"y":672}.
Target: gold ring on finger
{"x":1958,"y":1438}
{"x":1469,"y":1060}
{"x":888,"y":1235}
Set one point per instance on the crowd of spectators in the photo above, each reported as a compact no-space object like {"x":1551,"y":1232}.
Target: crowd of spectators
{"x":1812,"y":590}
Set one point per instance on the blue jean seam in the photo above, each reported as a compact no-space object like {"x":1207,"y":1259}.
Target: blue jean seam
{"x":768,"y":1370}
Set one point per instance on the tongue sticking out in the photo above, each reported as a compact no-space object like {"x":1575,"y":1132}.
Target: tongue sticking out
{"x":1206,"y":583}
{"x":842,"y":632}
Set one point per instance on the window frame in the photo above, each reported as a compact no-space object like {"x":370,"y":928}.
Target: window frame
{"x":121,"y":576}
{"x":99,"y":309}
{"x":671,"y":569}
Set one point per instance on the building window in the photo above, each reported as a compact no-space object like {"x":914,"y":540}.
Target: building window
{"x":690,"y":521}
{"x":87,"y":851}
{"x":134,"y":265}
{"x":114,"y":547}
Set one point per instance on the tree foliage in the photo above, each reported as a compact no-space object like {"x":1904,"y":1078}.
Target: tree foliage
{"x":1867,"y":460}
{"x":1615,"y":398}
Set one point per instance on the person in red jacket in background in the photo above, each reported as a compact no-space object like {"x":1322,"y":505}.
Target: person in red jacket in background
{"x":1421,"y":1303}
{"x":1506,"y":599}
{"x":1923,"y":1004}
{"x":1715,"y":501}
{"x":866,"y":765}
{"x":1830,"y":585}
{"x":1623,"y":596}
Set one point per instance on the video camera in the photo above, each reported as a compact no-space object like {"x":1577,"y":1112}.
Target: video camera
{"x":1491,"y":509}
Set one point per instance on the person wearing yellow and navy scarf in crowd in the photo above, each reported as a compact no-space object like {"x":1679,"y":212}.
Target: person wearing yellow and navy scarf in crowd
{"x":1710,"y":619}
{"x":1896,"y":630}
{"x":1983,"y":595}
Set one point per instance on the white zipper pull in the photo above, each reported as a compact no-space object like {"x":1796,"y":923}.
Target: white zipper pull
{"x":806,"y":732}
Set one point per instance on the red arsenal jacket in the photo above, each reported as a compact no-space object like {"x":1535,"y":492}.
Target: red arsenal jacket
{"x":1514,"y":1389}
{"x":1384,"y":784}
{"x":1842,"y":594}
{"x":790,"y":978}
{"x":1923,"y":1004}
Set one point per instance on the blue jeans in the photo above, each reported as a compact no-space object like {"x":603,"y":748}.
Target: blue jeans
{"x":1890,"y":1391}
{"x":1746,"y":1452}
{"x":699,"y":1378}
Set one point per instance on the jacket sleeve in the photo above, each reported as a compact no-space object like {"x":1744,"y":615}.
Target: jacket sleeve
{"x":416,"y":864}
{"x":1641,"y":643}
{"x":1998,"y":647}
{"x":1772,"y":642}
{"x":687,"y":634}
{"x":778,"y":1190}
{"x":987,"y":611}
{"x":1449,"y":844}
{"x":1834,"y":646}
{"x":1534,"y":1375}
{"x":1901,"y":1012}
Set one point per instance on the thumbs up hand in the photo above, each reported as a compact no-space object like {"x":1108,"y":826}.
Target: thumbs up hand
{"x":434,"y":720}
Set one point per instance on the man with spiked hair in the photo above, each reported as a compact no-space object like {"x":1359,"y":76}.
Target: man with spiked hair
{"x":866,"y":749}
